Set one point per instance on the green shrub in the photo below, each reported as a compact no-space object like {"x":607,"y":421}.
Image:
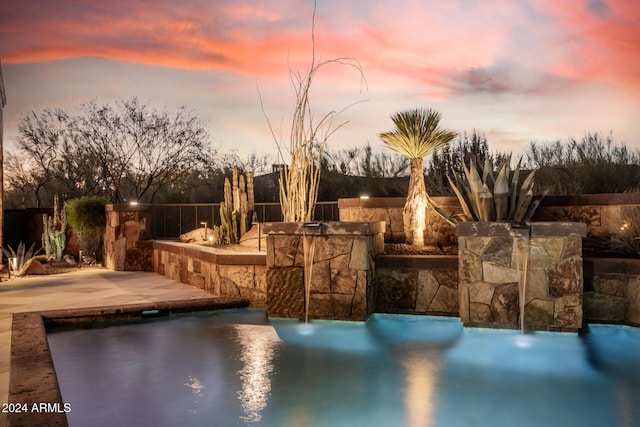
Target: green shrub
{"x":87,"y":217}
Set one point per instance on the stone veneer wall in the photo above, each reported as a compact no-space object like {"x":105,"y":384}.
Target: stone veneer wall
{"x":126,"y":244}
{"x":224,"y":274}
{"x":602,"y":213}
{"x":389,"y":210}
{"x":488,"y":274}
{"x":419,"y":284}
{"x":612,"y":290}
{"x":342,"y":281}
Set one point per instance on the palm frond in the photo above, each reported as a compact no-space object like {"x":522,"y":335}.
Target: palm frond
{"x":417,"y":133}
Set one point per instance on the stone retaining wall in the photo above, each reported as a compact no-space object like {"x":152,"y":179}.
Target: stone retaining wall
{"x":612,"y":291}
{"x":603,"y":214}
{"x":389,"y":210}
{"x":404,"y":284}
{"x":417,"y":285}
{"x":221,"y":273}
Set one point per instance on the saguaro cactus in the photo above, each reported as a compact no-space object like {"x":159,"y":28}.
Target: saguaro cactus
{"x":236,"y":211}
{"x":54,"y":232}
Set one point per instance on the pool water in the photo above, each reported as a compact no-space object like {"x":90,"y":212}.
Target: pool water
{"x":236,"y":368}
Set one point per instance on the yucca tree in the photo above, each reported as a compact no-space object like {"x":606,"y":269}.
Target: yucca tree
{"x":416,"y":136}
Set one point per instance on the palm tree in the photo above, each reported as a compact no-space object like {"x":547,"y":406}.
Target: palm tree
{"x":416,"y":136}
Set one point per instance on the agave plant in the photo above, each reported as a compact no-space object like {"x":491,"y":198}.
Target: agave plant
{"x":20,"y":260}
{"x":485,"y":197}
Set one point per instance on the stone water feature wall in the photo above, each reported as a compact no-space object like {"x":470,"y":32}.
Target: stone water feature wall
{"x":127,"y":244}
{"x":418,"y":284}
{"x":221,"y":273}
{"x":342,"y":279}
{"x":489,"y":276}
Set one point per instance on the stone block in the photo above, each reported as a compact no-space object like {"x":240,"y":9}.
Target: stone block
{"x":499,"y":251}
{"x":257,"y":297}
{"x":537,"y":286}
{"x":396,"y":290}
{"x":241,"y":275}
{"x":480,"y":313}
{"x":476,"y":245}
{"x":465,"y":305}
{"x":427,"y":288}
{"x":228,"y":288}
{"x":446,"y":300}
{"x":260,"y":278}
{"x":633,"y":300}
{"x":494,"y":273}
{"x":603,"y":307}
{"x":285,"y":293}
{"x":132,"y":233}
{"x":565,"y":278}
{"x":469,"y":267}
{"x":568,"y":311}
{"x":327,"y":249}
{"x":344,"y":282}
{"x":448,"y":278}
{"x":545,"y":251}
{"x":196,"y":279}
{"x":119,"y":254}
{"x":321,"y":276}
{"x":610,"y":284}
{"x":359,"y":254}
{"x":572,"y":247}
{"x":481,"y":292}
{"x":539,"y":313}
{"x":505,"y":306}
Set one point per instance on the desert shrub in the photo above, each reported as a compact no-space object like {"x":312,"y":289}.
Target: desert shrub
{"x":593,"y":165}
{"x":87,"y":218}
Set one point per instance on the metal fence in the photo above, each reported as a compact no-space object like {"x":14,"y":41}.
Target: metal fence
{"x":169,"y":221}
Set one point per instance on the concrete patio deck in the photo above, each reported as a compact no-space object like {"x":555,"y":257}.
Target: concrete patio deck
{"x":84,"y":288}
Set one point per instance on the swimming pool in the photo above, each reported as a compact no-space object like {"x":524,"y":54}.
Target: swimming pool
{"x":235,"y":368}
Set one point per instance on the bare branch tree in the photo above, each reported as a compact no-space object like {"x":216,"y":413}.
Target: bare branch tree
{"x":128,"y":152}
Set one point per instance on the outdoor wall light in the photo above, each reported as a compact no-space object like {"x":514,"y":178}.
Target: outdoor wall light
{"x":364,"y":197}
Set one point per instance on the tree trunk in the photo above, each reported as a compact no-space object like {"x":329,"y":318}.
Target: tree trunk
{"x":415,"y":208}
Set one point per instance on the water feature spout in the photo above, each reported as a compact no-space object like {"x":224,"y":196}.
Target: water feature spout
{"x":520,"y":232}
{"x":309,"y":231}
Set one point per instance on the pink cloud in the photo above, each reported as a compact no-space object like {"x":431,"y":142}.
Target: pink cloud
{"x":601,"y":44}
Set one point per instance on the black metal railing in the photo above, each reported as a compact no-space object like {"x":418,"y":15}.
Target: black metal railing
{"x":169,"y":221}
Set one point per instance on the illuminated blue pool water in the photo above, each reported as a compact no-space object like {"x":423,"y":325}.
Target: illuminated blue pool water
{"x":236,"y":368}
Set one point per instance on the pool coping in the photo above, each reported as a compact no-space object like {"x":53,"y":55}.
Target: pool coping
{"x":33,"y":384}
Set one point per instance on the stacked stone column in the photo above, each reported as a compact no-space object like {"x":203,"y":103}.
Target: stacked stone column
{"x":489,"y":275}
{"x":342,"y":279}
{"x":127,"y":244}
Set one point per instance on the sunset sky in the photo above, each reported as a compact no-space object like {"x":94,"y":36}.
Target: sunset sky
{"x":516,"y":70}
